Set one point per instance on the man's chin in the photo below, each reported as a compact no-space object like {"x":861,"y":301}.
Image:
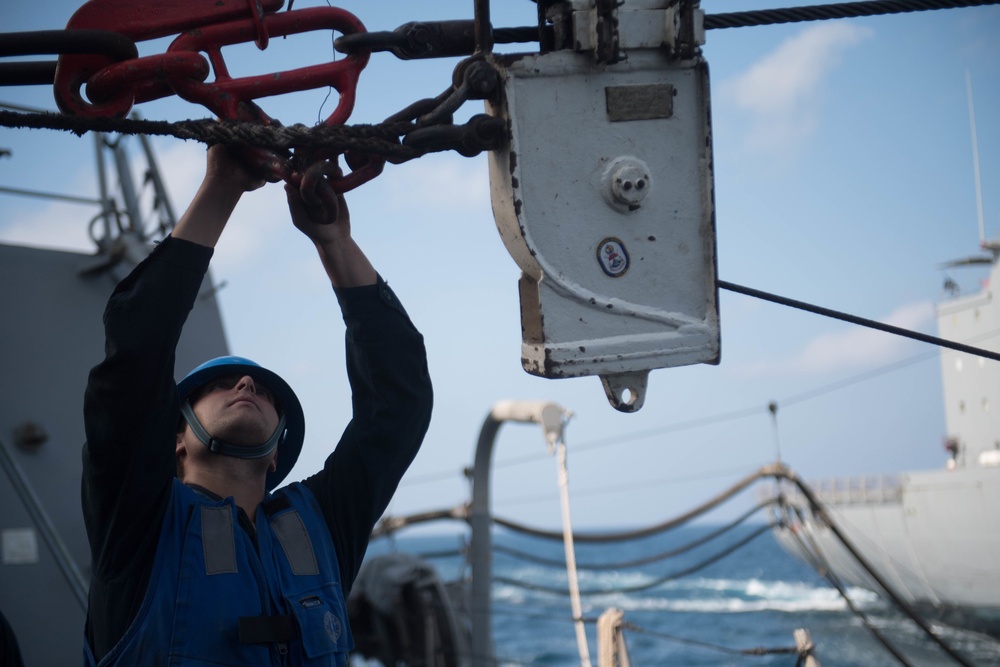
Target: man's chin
{"x":243,"y":433}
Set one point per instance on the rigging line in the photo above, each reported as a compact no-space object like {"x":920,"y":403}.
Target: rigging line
{"x":899,"y":565}
{"x":704,"y":539}
{"x":842,"y":10}
{"x":819,"y":511}
{"x":854,"y":319}
{"x":724,"y":649}
{"x":278,"y":137}
{"x":50,"y":195}
{"x":816,"y":562}
{"x":428,"y":478}
{"x":453,"y":553}
{"x":518,"y":611}
{"x":861,"y":377}
{"x":834,"y":580}
{"x":381,"y":138}
{"x":75,"y":579}
{"x":748,"y":412}
{"x":659,"y":481}
{"x":678,"y":426}
{"x":821,"y":565}
{"x":390,"y":524}
{"x":710,"y":420}
{"x":663,"y":527}
{"x":652,"y":583}
{"x":720,"y":417}
{"x":637,"y":435}
{"x":896,"y":562}
{"x":627,"y":486}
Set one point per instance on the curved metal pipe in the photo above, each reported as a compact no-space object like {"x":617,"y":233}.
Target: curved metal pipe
{"x":550,"y":416}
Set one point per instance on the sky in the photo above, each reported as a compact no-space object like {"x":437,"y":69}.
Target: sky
{"x":843,"y":177}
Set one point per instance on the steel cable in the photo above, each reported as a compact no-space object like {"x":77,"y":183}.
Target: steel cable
{"x":854,"y":319}
{"x":842,"y":10}
{"x":820,"y":564}
{"x":724,"y":649}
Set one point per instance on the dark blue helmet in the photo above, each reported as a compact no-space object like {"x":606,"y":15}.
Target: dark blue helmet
{"x":290,"y":445}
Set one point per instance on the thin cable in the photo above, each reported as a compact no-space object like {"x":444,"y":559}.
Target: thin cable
{"x":714,"y":647}
{"x":975,"y":159}
{"x":822,"y":566}
{"x":854,"y":319}
{"x":711,"y":420}
{"x":817,"y":509}
{"x":646,"y":433}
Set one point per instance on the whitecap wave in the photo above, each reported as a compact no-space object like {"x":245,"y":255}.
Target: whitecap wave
{"x":739,"y":596}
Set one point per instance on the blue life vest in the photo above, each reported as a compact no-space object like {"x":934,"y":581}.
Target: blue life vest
{"x":213,"y":599}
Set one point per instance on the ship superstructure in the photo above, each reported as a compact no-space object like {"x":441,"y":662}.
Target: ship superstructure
{"x":934,"y":536}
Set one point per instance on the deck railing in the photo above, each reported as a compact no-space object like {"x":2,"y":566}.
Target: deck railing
{"x":867,"y":490}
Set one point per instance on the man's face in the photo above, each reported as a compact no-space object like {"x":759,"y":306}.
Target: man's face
{"x":237,"y":409}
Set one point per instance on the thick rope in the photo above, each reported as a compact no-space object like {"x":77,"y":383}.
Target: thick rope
{"x":650,"y":584}
{"x":670,"y":524}
{"x":531,"y":558}
{"x":381,"y":138}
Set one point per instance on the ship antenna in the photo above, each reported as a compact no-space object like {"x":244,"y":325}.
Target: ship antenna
{"x":773,"y":408}
{"x":975,"y":160}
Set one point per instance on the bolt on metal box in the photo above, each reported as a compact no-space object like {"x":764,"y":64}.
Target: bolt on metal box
{"x":604,"y":198}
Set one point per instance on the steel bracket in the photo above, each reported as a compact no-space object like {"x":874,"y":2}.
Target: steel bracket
{"x":610,"y":29}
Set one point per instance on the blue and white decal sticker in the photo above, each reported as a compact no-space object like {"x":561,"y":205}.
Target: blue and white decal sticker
{"x":612,"y":257}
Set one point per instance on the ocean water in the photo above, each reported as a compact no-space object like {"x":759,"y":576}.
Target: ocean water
{"x":753,"y":598}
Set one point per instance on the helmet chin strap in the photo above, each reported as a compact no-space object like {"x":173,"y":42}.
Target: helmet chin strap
{"x":227,"y":448}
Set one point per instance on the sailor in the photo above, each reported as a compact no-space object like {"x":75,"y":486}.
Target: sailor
{"x":196,"y":557}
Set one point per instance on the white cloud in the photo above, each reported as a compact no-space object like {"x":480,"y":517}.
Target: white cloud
{"x":258,"y":217}
{"x":860,"y":347}
{"x":64,"y":226}
{"x":440,"y":183}
{"x":55,"y":226}
{"x":253,"y":230}
{"x":780,"y":90}
{"x":182,"y":165}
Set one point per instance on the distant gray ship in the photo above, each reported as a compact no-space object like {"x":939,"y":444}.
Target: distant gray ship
{"x":933,"y":536}
{"x":53,"y":334}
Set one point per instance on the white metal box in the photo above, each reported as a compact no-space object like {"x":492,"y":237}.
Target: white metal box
{"x":604,"y":198}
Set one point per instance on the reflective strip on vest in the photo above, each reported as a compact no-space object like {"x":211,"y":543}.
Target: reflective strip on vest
{"x":218,"y":540}
{"x":294,"y":539}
